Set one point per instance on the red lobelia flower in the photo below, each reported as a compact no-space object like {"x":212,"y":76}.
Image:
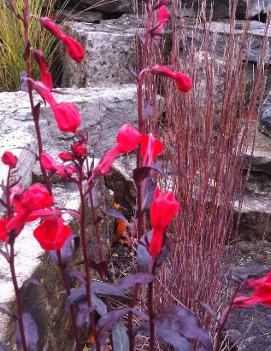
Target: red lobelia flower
{"x":150,"y":149}
{"x":34,"y":198}
{"x":183,"y":82}
{"x":162,"y":18}
{"x":48,"y":163}
{"x":128,"y":138}
{"x":3,"y":230}
{"x":163,"y":208}
{"x":67,"y":116}
{"x":9,"y":159}
{"x":79,"y":149}
{"x":261,"y":293}
{"x":106,"y":162}
{"x":45,"y":77}
{"x":66,"y":156}
{"x":52,"y":233}
{"x":73,"y":48}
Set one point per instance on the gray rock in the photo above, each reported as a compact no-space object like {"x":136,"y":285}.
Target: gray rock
{"x":103,"y":111}
{"x":109,"y":49}
{"x":115,"y":6}
{"x":80,"y":16}
{"x":220,"y":9}
{"x":219,"y":35}
{"x":256,"y":209}
{"x":248,"y":329}
{"x":265,"y":116}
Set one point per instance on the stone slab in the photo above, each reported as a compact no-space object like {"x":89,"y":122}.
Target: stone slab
{"x":109,"y":49}
{"x":219,"y":34}
{"x":103,"y":111}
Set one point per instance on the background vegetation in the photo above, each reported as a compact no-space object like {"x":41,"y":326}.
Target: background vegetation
{"x":11,"y":43}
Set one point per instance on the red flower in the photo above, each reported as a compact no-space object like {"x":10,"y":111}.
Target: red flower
{"x":128,"y":138}
{"x":66,"y":156}
{"x":67,"y":116}
{"x":46,"y":77}
{"x":163,"y":208}
{"x":9,"y":159}
{"x":252,"y":283}
{"x":52,"y":234}
{"x":183,"y":82}
{"x":73,"y":48}
{"x":106,"y":162}
{"x":34,"y":198}
{"x":48,"y":163}
{"x":3,"y":231}
{"x":79,"y":149}
{"x":44,"y":92}
{"x":50,"y":25}
{"x":162,"y":17}
{"x":150,"y":149}
{"x":163,"y":14}
{"x":261,"y":295}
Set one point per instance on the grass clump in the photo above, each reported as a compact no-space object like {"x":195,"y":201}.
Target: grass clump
{"x":11,"y":41}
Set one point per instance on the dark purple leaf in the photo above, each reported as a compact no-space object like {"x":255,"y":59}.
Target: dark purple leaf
{"x":140,"y":314}
{"x":119,"y":337}
{"x":139,"y":278}
{"x":66,"y":251}
{"x":31,"y":333}
{"x":174,"y":339}
{"x":148,"y":193}
{"x":184,"y":322}
{"x":77,"y":295}
{"x":82,"y":318}
{"x":107,"y":322}
{"x":3,"y":347}
{"x":79,"y":275}
{"x":116,"y":214}
{"x":143,"y":256}
{"x":99,"y":305}
{"x":148,"y":109}
{"x":103,"y":288}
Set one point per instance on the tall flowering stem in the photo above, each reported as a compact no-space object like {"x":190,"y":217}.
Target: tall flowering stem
{"x":84,"y":244}
{"x":36,"y":117}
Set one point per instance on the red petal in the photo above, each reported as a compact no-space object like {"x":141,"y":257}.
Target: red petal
{"x":9,"y":159}
{"x":74,"y":49}
{"x":67,"y":117}
{"x":128,"y":138}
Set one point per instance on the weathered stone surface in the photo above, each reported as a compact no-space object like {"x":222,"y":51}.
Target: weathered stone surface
{"x":120,"y":181}
{"x":256,"y":210}
{"x":103,"y":111}
{"x":249,"y":328}
{"x":265,"y":117}
{"x":220,"y":9}
{"x":219,"y":34}
{"x":80,"y":16}
{"x":116,"y":6}
{"x":109,"y":48}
